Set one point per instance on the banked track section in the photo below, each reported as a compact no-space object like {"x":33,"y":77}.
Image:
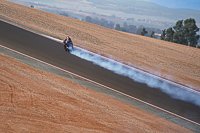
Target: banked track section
{"x":52,"y":52}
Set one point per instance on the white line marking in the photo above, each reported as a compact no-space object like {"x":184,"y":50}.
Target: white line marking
{"x":100,"y":85}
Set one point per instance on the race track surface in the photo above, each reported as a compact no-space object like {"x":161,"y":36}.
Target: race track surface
{"x":52,"y":52}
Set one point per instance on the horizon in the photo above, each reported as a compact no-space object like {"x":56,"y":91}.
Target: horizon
{"x":162,"y":21}
{"x":178,"y":4}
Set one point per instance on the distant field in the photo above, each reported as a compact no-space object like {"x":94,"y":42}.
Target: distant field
{"x":151,"y":15}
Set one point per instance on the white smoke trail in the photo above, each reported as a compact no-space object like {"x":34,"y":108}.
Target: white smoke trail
{"x":172,"y":90}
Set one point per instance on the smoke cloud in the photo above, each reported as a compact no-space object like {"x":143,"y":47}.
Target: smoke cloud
{"x":172,"y":90}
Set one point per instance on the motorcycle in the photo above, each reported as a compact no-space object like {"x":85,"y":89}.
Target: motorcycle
{"x":69,"y":47}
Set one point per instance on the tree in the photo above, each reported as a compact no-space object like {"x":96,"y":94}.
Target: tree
{"x":103,"y":22}
{"x":152,"y":33}
{"x":179,"y":26}
{"x":184,"y":33}
{"x":169,"y":35}
{"x":189,"y":32}
{"x":64,"y":14}
{"x":178,"y":35}
{"x":132,"y":28}
{"x":111,"y":25}
{"x":125,"y":27}
{"x":88,"y":19}
{"x":163,"y":35}
{"x":117,"y":27}
{"x":143,"y":32}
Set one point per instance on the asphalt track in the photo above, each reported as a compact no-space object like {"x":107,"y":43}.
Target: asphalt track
{"x":52,"y":52}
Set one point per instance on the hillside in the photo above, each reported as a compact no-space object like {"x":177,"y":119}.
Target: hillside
{"x":173,"y":61}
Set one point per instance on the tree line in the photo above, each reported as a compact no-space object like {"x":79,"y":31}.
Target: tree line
{"x":184,"y":32}
{"x":101,"y":22}
{"x":125,"y":28}
{"x":141,"y":30}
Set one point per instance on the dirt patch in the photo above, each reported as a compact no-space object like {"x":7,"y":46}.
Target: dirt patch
{"x":172,"y":61}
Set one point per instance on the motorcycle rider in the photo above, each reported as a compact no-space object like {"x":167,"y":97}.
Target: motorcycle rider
{"x":67,"y":42}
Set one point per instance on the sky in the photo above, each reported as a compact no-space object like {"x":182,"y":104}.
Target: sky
{"x":188,"y":4}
